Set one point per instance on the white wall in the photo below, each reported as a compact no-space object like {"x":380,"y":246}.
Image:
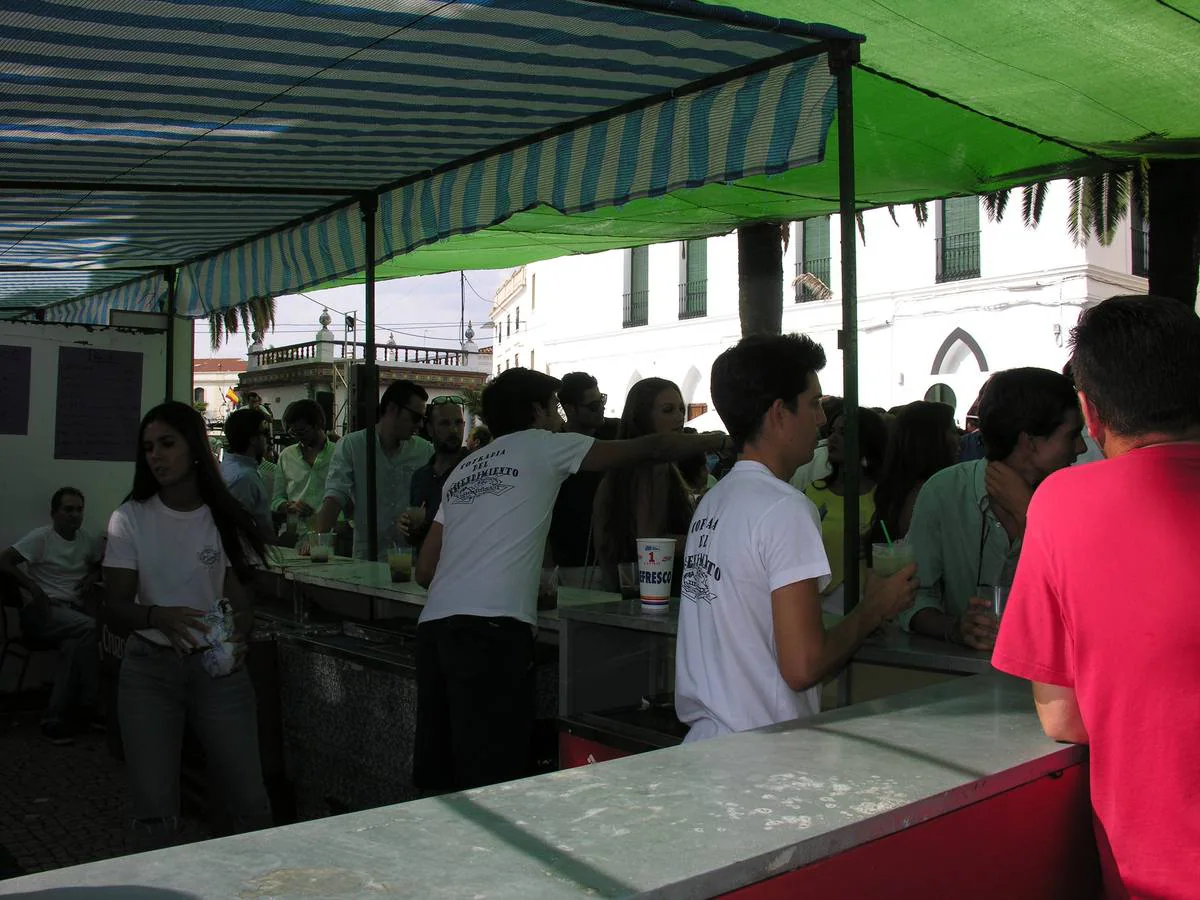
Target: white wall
{"x":31,"y":473}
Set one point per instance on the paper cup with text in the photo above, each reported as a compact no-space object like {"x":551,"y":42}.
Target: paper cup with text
{"x":656,"y":562}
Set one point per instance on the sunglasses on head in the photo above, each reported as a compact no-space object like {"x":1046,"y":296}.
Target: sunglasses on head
{"x":440,"y":401}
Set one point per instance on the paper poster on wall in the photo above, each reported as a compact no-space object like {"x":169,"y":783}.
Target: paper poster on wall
{"x":99,"y":404}
{"x":15,"y":363}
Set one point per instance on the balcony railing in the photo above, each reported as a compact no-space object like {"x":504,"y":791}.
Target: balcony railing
{"x":421,"y":356}
{"x":693,"y":299}
{"x":637,"y":308}
{"x":958,"y":256}
{"x":818,"y":268}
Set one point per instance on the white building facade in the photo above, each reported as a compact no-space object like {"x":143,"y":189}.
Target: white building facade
{"x":941,"y":306}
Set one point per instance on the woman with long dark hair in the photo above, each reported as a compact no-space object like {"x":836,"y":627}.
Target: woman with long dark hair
{"x":924,"y":441}
{"x":177,"y":571}
{"x":649,"y":500}
{"x":828,"y":493}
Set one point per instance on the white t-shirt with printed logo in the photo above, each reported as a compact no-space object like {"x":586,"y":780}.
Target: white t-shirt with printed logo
{"x":495,"y":512}
{"x":752,"y":534}
{"x":57,"y":565}
{"x":178,"y":556}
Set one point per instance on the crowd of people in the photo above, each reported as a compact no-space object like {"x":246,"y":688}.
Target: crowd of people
{"x":1094,"y":557}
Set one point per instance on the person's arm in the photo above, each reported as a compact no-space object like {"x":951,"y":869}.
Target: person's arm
{"x":179,"y":624}
{"x":11,"y":561}
{"x":279,"y":500}
{"x":431,"y":552}
{"x":1058,"y":711}
{"x":657,"y":448}
{"x":339,"y":487}
{"x":927,"y":615}
{"x":1011,"y":495}
{"x":808,"y":653}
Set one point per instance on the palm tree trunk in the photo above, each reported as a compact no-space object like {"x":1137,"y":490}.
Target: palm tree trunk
{"x":760,"y":279}
{"x":1175,"y":228}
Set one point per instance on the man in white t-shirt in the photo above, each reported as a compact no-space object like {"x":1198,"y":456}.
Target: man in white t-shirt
{"x":481,"y":561}
{"x":61,"y":564}
{"x":752,"y":648}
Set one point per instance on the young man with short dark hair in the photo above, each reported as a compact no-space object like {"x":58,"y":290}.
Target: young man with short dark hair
{"x":1102,"y":615}
{"x":55,"y":565}
{"x":752,"y":647}
{"x":247,"y":430}
{"x":969,"y":519}
{"x":481,"y":561}
{"x":400,"y":451}
{"x":303,"y":466}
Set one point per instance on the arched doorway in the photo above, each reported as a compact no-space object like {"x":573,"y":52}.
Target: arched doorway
{"x":959,"y":371}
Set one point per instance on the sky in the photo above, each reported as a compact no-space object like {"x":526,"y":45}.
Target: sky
{"x":421,"y":311}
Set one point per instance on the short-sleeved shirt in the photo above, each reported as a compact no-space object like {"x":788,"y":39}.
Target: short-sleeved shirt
{"x":57,"y":565}
{"x":1104,"y":602}
{"x":245,"y":483}
{"x":495,"y":513}
{"x":427,"y":486}
{"x":347,"y":483}
{"x":752,"y":534}
{"x":177,"y":555}
{"x":951,"y":521}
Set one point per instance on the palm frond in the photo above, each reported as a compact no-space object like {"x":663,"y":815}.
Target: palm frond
{"x":812,"y":286}
{"x":995,"y":204}
{"x":1033,"y":202}
{"x":1139,"y":188}
{"x":1116,"y":204}
{"x":216,"y":330}
{"x":1079,"y":217}
{"x":785,"y":237}
{"x":862,"y":227}
{"x":922,"y":212}
{"x":892,"y":212}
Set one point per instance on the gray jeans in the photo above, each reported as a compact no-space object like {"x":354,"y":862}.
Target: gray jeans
{"x":75,"y":635}
{"x":160,"y":690}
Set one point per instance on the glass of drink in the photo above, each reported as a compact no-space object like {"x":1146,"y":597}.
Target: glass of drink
{"x":320,"y":547}
{"x":888,"y":559}
{"x":416,"y":517}
{"x":400,"y":563}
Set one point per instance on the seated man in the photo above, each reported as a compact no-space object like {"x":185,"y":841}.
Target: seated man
{"x":61,"y":564}
{"x":969,"y":519}
{"x":248,"y":431}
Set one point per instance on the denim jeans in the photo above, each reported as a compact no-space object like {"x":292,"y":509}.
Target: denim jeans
{"x":75,"y":635}
{"x":159,"y":691}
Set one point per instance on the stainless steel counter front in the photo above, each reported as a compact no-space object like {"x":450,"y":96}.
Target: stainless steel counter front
{"x":691,"y":821}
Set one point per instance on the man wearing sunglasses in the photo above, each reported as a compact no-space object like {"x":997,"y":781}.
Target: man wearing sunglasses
{"x":399,"y":453}
{"x":570,"y":528}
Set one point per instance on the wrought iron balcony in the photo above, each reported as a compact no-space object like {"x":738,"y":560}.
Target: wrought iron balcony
{"x":307,"y":352}
{"x":817,"y":268}
{"x":693,"y":299}
{"x":637,"y":308}
{"x":958,"y":256}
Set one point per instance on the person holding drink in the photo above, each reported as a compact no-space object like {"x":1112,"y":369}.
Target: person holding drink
{"x":446,"y":424}
{"x":752,"y":648}
{"x":969,"y":519}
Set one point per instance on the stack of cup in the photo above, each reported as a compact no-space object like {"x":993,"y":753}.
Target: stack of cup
{"x":656,"y":563}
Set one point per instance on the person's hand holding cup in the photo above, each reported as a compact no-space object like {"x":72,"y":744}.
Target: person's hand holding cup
{"x":886,"y":598}
{"x":976,"y":628}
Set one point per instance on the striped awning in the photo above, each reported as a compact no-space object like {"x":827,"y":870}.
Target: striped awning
{"x":234,"y":141}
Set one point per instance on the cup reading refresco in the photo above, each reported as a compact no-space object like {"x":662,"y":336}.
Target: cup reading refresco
{"x":888,"y":559}
{"x":656,"y":561}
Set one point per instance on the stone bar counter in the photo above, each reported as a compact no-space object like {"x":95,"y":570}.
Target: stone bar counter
{"x":951,"y":790}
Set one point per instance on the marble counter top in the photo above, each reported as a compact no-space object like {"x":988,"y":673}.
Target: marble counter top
{"x":690,"y":821}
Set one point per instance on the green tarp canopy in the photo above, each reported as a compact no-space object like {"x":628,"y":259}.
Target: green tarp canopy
{"x":950,"y":99}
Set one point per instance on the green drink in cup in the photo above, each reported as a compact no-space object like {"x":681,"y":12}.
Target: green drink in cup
{"x":888,"y":559}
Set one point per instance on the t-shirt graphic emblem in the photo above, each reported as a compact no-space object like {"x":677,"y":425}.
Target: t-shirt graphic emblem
{"x":209,"y":556}
{"x":696,"y":585}
{"x":472,"y":490}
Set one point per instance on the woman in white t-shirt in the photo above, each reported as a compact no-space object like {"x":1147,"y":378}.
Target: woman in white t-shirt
{"x":177,"y":546}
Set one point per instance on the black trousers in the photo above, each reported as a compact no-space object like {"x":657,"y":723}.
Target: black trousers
{"x":475,"y":703}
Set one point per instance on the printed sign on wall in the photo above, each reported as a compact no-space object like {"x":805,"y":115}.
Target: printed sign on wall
{"x":15,"y":364}
{"x":99,"y":404}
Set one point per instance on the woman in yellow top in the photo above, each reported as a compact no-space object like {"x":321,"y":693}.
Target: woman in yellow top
{"x":828,"y":495}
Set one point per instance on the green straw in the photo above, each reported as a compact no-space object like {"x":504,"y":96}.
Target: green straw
{"x":883,"y":525}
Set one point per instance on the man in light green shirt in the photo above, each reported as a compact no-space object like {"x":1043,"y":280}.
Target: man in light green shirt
{"x":969,"y":519}
{"x":399,"y":453}
{"x":299,"y":484}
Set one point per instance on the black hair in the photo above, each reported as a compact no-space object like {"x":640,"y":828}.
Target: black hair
{"x":234,"y":522}
{"x":482,"y":434}
{"x":400,"y":392}
{"x":917,"y":449}
{"x":575,"y":385}
{"x":1135,"y":358}
{"x":755,"y":372}
{"x":872,"y":445}
{"x":832,"y":407}
{"x":242,"y":426}
{"x":1022,"y":401}
{"x":307,"y":411}
{"x":508,"y":399}
{"x":57,"y":499}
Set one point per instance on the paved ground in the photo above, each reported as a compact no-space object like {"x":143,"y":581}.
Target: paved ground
{"x":59,"y":806}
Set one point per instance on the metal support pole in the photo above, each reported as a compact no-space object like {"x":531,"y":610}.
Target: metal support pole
{"x":369,"y":205}
{"x":842,"y":60}
{"x":169,"y":276}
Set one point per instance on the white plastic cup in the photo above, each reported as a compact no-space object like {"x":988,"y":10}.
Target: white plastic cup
{"x":888,"y":559}
{"x":656,"y":563}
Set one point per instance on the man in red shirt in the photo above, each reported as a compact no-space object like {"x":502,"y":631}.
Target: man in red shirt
{"x":1103,"y":617}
